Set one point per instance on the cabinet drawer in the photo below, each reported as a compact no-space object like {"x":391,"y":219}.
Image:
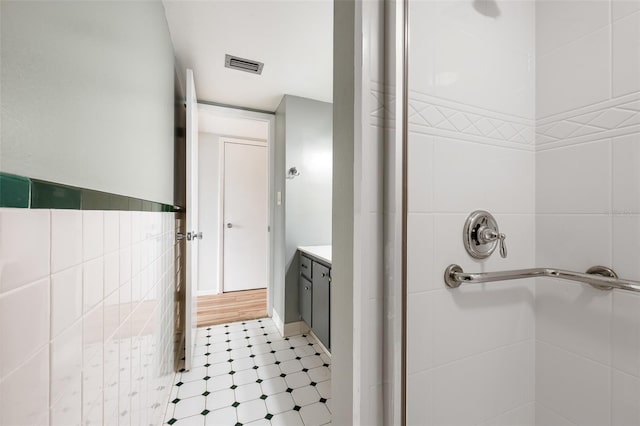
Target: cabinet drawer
{"x":305,"y":266}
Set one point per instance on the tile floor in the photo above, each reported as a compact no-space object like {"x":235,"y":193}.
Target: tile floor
{"x":244,"y":373}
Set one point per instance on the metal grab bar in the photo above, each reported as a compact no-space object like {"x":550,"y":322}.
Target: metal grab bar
{"x":600,"y":277}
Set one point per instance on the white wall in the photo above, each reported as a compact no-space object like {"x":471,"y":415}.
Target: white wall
{"x":87,"y":95}
{"x":587,"y":199}
{"x":213,"y":128}
{"x":470,"y":351}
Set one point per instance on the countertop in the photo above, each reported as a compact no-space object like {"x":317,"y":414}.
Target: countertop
{"x":321,"y":252}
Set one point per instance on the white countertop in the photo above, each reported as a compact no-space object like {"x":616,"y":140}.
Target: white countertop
{"x":321,"y":252}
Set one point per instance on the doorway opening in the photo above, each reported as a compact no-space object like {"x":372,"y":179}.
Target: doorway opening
{"x":235,"y":212}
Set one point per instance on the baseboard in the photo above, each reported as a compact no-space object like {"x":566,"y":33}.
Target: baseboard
{"x":295,"y":328}
{"x":278,"y":322}
{"x":207,"y":293}
{"x":326,"y":351}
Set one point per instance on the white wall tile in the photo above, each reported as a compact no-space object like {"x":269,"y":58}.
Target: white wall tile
{"x":92,"y":334}
{"x":125,"y":265}
{"x":25,"y":393}
{"x":66,"y":239}
{"x":66,"y":362}
{"x":574,"y":179}
{"x":420,"y":253}
{"x":573,"y":242}
{"x":92,"y":234}
{"x":111,"y":272}
{"x":125,"y":229}
{"x":622,"y":8}
{"x":626,"y":55}
{"x":626,"y":174}
{"x":478,"y":319}
{"x":575,"y":317}
{"x":574,"y":75}
{"x":559,"y":23}
{"x":626,"y":246}
{"x":111,"y":231}
{"x":574,"y":387}
{"x":24,"y":324}
{"x":420,"y":173}
{"x":521,"y":416}
{"x":92,"y":283}
{"x":68,"y":409}
{"x":25,"y":237}
{"x":66,"y":299}
{"x":625,"y":408}
{"x":420,"y":396}
{"x":546,"y":417}
{"x":626,"y":332}
{"x":420,"y":327}
{"x":506,"y":176}
{"x":489,"y":384}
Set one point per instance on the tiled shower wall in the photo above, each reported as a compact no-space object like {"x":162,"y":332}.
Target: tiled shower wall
{"x":86,"y":316}
{"x":470,"y":354}
{"x":588,"y":205}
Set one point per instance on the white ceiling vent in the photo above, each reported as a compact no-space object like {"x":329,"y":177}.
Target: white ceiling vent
{"x":241,"y":64}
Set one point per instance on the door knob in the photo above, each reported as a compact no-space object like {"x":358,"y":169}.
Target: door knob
{"x":229,"y":225}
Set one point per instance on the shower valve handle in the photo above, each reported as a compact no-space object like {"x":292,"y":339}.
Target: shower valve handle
{"x":487,"y":235}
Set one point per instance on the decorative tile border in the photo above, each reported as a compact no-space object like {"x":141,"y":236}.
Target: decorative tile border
{"x":440,"y":117}
{"x":604,"y":120}
{"x":22,"y":192}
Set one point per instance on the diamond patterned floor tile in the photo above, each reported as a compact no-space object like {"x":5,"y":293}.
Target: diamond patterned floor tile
{"x":274,"y":381}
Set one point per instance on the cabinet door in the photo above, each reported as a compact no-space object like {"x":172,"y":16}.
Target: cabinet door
{"x":320,"y":312}
{"x":304,"y":299}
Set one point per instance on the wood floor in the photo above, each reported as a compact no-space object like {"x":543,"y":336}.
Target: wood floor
{"x":233,"y":306}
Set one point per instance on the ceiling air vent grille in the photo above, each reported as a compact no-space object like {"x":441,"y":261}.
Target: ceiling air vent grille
{"x":241,"y":64}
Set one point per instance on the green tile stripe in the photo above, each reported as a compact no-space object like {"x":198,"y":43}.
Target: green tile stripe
{"x":23,"y":192}
{"x":14,"y":191}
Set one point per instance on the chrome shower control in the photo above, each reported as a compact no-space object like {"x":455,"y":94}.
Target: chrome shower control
{"x":481,"y":235}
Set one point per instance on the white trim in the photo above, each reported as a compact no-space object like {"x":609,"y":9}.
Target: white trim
{"x":210,"y":292}
{"x":326,"y":351}
{"x":295,"y":328}
{"x":278,"y":322}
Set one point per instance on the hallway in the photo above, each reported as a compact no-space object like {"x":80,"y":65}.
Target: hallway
{"x":246,"y":374}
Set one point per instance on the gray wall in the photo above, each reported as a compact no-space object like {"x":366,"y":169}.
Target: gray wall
{"x":308,"y":146}
{"x":87,"y":95}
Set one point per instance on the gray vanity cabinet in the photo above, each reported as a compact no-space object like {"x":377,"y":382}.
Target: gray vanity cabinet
{"x":314,"y":286}
{"x":320,"y":309}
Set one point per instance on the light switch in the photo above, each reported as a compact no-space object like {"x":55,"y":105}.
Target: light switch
{"x":279,"y":198}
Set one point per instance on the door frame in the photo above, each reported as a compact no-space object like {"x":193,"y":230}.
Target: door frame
{"x":221,"y":193}
{"x":269,"y":118}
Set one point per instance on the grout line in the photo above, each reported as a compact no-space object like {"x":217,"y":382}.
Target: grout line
{"x":474,"y":355}
{"x":555,"y":412}
{"x":574,"y":41}
{"x":575,"y":354}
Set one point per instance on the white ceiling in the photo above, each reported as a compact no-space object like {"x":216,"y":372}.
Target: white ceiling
{"x":294,"y":39}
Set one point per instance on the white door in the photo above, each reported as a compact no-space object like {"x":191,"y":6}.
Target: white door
{"x":245,"y":216}
{"x":191,"y":285}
